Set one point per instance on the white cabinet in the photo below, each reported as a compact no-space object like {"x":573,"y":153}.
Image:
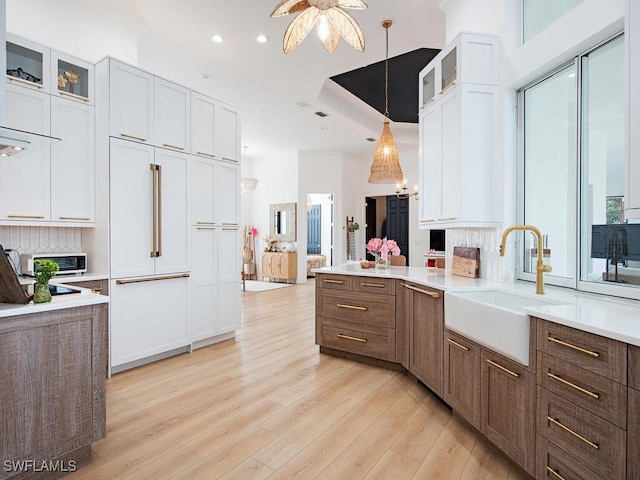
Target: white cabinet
{"x":171,"y":115}
{"x":28,"y":63}
{"x":72,"y":78}
{"x":203,"y":189}
{"x":227,"y":198}
{"x":130,"y":102}
{"x":632,"y":43}
{"x":227,"y":133}
{"x":72,"y":161}
{"x":204,"y":283}
{"x":229,"y":267}
{"x":147,"y":318}
{"x":203,"y":111}
{"x":25,"y":178}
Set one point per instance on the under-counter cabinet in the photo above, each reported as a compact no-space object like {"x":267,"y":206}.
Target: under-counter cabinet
{"x":419,"y":330}
{"x":581,"y":404}
{"x":633,"y":418}
{"x":462,"y":376}
{"x":280,"y":265}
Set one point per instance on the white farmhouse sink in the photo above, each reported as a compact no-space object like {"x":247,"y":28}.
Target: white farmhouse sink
{"x":492,"y":318}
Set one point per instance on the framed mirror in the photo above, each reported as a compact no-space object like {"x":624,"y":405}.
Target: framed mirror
{"x":283,"y":222}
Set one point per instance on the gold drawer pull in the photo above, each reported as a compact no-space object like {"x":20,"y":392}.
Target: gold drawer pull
{"x":554,"y":473}
{"x":72,"y":95}
{"x":205,"y":223}
{"x":339,"y":282}
{"x":168,"y":145}
{"x":428,"y":221}
{"x":462,"y":347}
{"x":573,"y":385}
{"x":575,"y":434}
{"x":426,"y":292}
{"x":505,"y":370}
{"x":33,"y":217}
{"x":211,"y":229}
{"x":355,"y":339}
{"x":210,"y":155}
{"x":352,"y":307}
{"x":152,"y":279}
{"x":26,"y":82}
{"x":375,"y":285}
{"x":431,"y":100}
{"x":447,"y":219}
{"x":229,"y":159}
{"x":75,"y":218}
{"x":133,"y":137}
{"x":574,"y":347}
{"x":447,"y":87}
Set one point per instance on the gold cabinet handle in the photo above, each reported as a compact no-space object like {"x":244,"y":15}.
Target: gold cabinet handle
{"x":504,"y":369}
{"x":351,"y":307}
{"x":152,"y":279}
{"x":26,"y":82}
{"x":86,"y":219}
{"x":168,"y":145}
{"x":159,"y":170}
{"x":32,"y":217}
{"x":154,"y":211}
{"x":374,"y":285}
{"x":573,"y":385}
{"x":426,"y":292}
{"x":573,"y":347}
{"x":575,"y":434}
{"x":205,"y":223}
{"x":355,"y":339}
{"x":229,"y":224}
{"x":229,"y":159}
{"x":212,"y":229}
{"x":447,"y":88}
{"x":73,"y":95}
{"x":554,"y":473}
{"x":133,"y":137}
{"x":447,"y":219}
{"x":424,"y":105}
{"x":339,"y":282}
{"x":210,"y":155}
{"x":430,"y":220}
{"x":462,"y":347}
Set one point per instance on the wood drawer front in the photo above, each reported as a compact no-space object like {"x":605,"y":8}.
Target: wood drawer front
{"x":378,"y":286}
{"x":577,"y":428}
{"x":605,"y":398}
{"x":97,"y":286}
{"x":333,"y":282}
{"x":377,"y":310}
{"x":370,"y":341}
{"x":553,"y":463}
{"x":595,"y":353}
{"x":634,"y":367}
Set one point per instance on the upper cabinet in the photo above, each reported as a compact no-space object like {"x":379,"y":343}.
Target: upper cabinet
{"x":72,"y":78}
{"x":470,"y":58}
{"x":171,"y":115}
{"x":458,"y":140}
{"x":226,"y":133}
{"x":215,"y":129}
{"x":28,"y":63}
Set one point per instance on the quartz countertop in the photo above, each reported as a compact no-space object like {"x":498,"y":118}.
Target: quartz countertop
{"x":611,"y":317}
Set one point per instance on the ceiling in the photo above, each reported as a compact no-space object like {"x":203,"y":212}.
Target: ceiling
{"x":278,"y":94}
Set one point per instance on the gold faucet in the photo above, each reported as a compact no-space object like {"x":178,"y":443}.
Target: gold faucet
{"x":541,"y":268}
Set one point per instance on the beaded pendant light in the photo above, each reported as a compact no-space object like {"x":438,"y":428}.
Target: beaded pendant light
{"x":385,"y":167}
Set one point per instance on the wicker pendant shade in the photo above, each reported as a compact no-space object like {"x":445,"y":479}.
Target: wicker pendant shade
{"x":385,"y":167}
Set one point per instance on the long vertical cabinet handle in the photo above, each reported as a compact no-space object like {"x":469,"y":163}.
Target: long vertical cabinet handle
{"x":154,"y":210}
{"x":159,"y":207}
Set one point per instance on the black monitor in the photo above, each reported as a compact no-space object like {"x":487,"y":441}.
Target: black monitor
{"x":616,"y":241}
{"x":437,"y":240}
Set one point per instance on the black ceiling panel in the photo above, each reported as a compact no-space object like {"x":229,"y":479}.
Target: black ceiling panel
{"x":367,"y":83}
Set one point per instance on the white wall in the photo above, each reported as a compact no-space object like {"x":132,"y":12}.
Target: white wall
{"x":325,"y":200}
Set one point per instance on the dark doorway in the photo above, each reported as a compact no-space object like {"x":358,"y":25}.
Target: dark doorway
{"x":371,"y":214}
{"x":314,"y":229}
{"x":398,"y":223}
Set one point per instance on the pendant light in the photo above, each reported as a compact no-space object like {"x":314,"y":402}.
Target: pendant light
{"x":385,"y":167}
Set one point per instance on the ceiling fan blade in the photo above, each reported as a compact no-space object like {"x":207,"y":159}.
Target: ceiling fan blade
{"x":285,"y":7}
{"x":355,"y":4}
{"x":299,"y":28}
{"x":348,"y":27}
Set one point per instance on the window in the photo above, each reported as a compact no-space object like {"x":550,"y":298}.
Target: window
{"x":539,"y":14}
{"x":573,"y":175}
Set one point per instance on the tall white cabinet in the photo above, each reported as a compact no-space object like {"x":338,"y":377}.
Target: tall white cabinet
{"x":173,"y":202}
{"x":458,"y":140}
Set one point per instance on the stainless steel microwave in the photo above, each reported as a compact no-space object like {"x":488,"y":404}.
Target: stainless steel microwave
{"x":70,"y":263}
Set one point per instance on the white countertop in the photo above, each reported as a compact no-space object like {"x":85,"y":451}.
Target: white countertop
{"x":611,"y":317}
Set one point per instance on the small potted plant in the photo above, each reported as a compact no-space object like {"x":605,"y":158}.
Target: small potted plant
{"x":354,"y":226}
{"x":44,"y":271}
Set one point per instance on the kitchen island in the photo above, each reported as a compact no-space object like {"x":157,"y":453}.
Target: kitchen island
{"x":53,"y":365}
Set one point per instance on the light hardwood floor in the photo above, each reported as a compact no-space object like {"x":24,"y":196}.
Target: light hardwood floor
{"x":268,"y":405}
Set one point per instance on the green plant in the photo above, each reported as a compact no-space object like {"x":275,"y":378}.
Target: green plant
{"x":353,"y":226}
{"x":45,"y":270}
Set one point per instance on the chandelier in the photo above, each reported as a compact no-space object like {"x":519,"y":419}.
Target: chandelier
{"x":248,"y":184}
{"x":385,"y":167}
{"x":330,"y":19}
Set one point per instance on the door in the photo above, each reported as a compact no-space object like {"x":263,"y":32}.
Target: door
{"x":225,"y":134}
{"x":131,"y":103}
{"x":172,"y":105}
{"x":202,"y":121}
{"x":398,"y":223}
{"x":370,"y":215}
{"x":229,"y":267}
{"x":314,"y":229}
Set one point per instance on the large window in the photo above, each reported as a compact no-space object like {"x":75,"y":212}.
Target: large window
{"x":573,"y":175}
{"x":539,"y":14}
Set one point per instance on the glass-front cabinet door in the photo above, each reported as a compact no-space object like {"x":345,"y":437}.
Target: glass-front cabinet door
{"x":72,"y":77}
{"x":27,"y":63}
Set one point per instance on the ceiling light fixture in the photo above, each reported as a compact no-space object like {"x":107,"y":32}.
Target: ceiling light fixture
{"x":330,"y":19}
{"x":262,"y":39}
{"x":385,"y":167}
{"x":248,"y":184}
{"x":217,"y":38}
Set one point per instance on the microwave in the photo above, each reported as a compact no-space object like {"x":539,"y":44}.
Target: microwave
{"x":70,"y":263}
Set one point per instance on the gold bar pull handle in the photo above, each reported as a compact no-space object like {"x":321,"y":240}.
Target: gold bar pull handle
{"x":426,"y":292}
{"x":575,"y":434}
{"x":554,"y":473}
{"x":355,"y":339}
{"x":84,"y":219}
{"x":205,"y":223}
{"x":168,"y":145}
{"x":154,"y":211}
{"x":339,"y":282}
{"x":229,"y":159}
{"x":573,"y":347}
{"x":133,"y":137}
{"x":151,"y":279}
{"x":504,"y":369}
{"x":573,"y":385}
{"x":31,"y":217}
{"x":211,"y":229}
{"x":351,"y":307}
{"x":26,"y":82}
{"x":374,"y":285}
{"x":462,"y":347}
{"x":159,"y":180}
{"x":446,"y":219}
{"x":210,"y":155}
{"x":72,"y":95}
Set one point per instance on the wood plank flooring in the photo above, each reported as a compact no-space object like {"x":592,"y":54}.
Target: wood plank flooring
{"x":268,"y":405}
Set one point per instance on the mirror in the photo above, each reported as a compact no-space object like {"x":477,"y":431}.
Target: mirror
{"x":283,"y":222}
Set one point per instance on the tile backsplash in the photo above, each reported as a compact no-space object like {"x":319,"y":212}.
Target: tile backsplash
{"x":487,"y":239}
{"x":42,"y":239}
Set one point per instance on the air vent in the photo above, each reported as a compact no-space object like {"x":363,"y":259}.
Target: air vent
{"x":322,"y":114}
{"x":371,"y":139}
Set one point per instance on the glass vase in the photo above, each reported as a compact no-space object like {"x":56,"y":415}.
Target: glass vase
{"x":41,"y":293}
{"x":382,"y":264}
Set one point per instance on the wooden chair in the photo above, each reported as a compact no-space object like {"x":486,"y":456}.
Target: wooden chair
{"x":398,"y":260}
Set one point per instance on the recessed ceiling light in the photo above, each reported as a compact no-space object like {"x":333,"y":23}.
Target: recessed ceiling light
{"x":217,"y":38}
{"x":262,"y":39}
